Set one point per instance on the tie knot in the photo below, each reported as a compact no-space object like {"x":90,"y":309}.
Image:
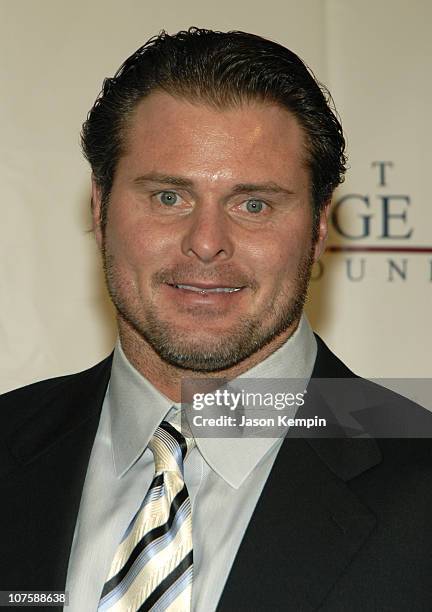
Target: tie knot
{"x":170,"y":448}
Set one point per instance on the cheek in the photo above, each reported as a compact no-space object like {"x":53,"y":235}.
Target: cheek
{"x":129,"y":259}
{"x":278,"y":258}
{"x":137,"y":235}
{"x":129,"y":240}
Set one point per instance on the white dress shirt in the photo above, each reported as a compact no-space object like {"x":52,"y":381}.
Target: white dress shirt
{"x":224,"y":477}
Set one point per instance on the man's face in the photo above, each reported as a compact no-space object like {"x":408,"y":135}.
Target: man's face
{"x":208,"y":242}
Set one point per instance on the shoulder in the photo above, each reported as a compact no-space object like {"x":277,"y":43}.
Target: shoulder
{"x":21,"y":404}
{"x":362,"y":414}
{"x":327,"y":364}
{"x":381,"y":411}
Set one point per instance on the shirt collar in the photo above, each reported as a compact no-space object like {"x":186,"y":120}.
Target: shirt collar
{"x":137,"y":408}
{"x":235,"y":458}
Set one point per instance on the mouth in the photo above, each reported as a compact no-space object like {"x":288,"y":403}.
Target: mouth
{"x":205,"y":289}
{"x":204,"y":299}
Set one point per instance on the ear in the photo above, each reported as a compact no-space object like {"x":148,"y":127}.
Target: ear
{"x":96,"y":208}
{"x":322,"y":231}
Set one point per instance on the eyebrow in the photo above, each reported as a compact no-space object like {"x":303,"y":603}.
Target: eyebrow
{"x":178,"y":181}
{"x":269,"y":187}
{"x":165,"y":179}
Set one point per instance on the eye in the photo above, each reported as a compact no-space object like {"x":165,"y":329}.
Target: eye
{"x":255,"y":206}
{"x":168,"y":198}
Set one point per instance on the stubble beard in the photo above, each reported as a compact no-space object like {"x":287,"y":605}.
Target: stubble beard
{"x":176,"y":347}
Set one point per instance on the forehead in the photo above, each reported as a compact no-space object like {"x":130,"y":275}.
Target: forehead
{"x":172,"y":134}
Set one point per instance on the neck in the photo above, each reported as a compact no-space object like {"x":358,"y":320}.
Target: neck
{"x":168,"y":378}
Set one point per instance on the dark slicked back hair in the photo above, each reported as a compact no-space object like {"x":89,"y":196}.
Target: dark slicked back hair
{"x":222,"y":69}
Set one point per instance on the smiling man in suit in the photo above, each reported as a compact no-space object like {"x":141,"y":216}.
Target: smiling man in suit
{"x":214,"y":159}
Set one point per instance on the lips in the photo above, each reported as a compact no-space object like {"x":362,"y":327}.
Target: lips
{"x":203,"y":289}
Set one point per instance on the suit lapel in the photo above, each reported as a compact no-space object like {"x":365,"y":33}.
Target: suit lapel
{"x":305,"y":529}
{"x":307,"y":525}
{"x":47,"y":462}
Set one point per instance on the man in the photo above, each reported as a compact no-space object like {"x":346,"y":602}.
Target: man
{"x":214,"y":159}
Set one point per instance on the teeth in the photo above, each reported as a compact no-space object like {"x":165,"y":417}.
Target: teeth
{"x":215,"y":290}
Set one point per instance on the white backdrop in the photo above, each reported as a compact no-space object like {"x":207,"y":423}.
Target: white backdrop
{"x":375,"y":57}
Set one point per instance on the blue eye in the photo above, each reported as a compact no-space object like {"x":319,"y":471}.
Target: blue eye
{"x":169,"y":198}
{"x":255,"y":206}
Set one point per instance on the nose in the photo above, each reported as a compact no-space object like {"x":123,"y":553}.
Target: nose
{"x":208,"y":234}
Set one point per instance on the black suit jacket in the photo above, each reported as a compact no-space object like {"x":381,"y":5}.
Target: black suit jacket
{"x":342,"y":524}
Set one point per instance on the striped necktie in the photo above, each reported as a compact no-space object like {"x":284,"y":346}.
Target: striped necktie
{"x":152,"y":567}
